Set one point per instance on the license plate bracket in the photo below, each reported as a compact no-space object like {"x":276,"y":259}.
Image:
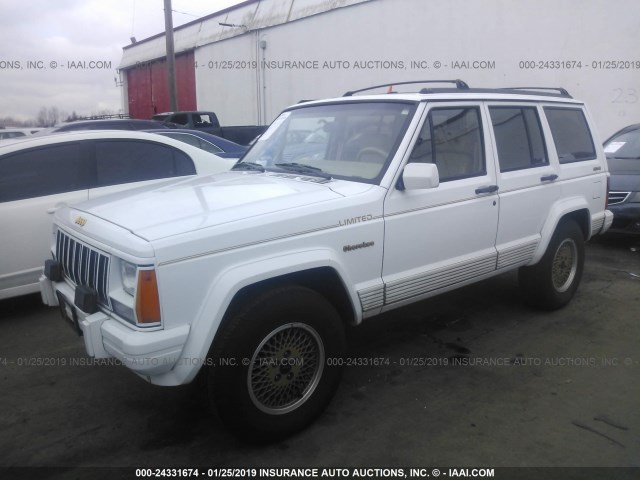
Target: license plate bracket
{"x":69,"y":314}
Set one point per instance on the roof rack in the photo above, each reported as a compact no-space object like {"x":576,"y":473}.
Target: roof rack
{"x":563,"y":92}
{"x":461,"y":85}
{"x":104,"y":117}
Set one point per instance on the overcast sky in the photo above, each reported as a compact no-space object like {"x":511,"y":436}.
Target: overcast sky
{"x":43,"y":42}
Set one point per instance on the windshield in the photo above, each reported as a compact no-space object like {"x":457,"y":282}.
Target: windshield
{"x":625,"y":145}
{"x":354,"y":141}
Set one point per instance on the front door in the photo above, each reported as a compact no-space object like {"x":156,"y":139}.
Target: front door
{"x":439,"y":238}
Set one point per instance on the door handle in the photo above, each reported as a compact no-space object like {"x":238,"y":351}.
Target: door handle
{"x":549,"y":178}
{"x":489,"y":189}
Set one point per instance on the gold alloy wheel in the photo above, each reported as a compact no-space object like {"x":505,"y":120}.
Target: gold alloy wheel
{"x":286,"y":368}
{"x":565,"y":265}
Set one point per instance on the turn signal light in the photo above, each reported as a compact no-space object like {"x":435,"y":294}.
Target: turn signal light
{"x":147,"y":298}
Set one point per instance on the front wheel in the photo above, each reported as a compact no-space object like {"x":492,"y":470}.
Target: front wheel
{"x":272,"y":376}
{"x":552,"y":282}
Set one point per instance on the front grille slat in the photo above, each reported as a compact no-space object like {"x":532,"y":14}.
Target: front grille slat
{"x":84,"y":265}
{"x":618,"y":197}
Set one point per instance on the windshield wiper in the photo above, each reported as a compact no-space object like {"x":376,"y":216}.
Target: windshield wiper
{"x":303,"y":168}
{"x":248,"y":166}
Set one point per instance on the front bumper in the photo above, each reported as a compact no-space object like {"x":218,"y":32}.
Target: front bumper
{"x":145,"y":353}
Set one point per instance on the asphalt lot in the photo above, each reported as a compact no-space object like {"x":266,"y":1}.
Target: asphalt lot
{"x":471,"y":378}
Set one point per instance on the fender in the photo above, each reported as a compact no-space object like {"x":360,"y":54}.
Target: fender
{"x":557,"y":212}
{"x":224,"y":288}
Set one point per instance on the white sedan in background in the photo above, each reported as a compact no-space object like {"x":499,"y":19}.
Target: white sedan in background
{"x":39,"y":175}
{"x":15,"y":133}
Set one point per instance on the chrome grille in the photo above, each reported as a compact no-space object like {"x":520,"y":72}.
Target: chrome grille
{"x":617,"y":197}
{"x":84,"y":265}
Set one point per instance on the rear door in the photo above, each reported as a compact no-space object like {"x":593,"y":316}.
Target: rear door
{"x":34,"y":183}
{"x":528,"y":181}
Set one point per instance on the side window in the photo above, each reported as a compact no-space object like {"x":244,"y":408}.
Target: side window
{"x":42,"y":171}
{"x":140,"y":125}
{"x":184,"y":137}
{"x":72,"y":127}
{"x":209,"y":147}
{"x":452,"y":139}
{"x":571,"y":134}
{"x":126,"y":161}
{"x":203,"y":119}
{"x":111,"y":126}
{"x":4,"y":135}
{"x":194,"y":141}
{"x":518,"y":138}
{"x":180,"y":119}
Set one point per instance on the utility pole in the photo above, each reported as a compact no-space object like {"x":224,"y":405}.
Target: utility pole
{"x":171,"y":60}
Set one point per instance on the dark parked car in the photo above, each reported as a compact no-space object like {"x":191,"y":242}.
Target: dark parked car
{"x":623,"y":157}
{"x":205,"y":141}
{"x":108,"y":124}
{"x":208,"y":122}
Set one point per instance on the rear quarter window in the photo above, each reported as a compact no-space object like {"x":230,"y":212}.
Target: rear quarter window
{"x":571,"y":134}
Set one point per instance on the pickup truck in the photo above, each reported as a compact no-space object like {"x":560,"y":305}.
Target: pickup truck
{"x":344,"y":209}
{"x":208,"y":122}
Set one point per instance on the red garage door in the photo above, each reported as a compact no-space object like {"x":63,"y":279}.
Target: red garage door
{"x":148,"y":89}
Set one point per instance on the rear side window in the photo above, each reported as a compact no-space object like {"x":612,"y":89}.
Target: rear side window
{"x":193,"y":140}
{"x":180,"y":119}
{"x":126,"y":161}
{"x":452,"y":139}
{"x":42,"y":171}
{"x":4,"y":135}
{"x":518,"y":138}
{"x":571,"y":134}
{"x":142,"y":125}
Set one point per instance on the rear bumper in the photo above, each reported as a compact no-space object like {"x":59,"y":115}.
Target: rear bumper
{"x":608,"y":221}
{"x":145,"y":353}
{"x":626,"y":218}
{"x":601,"y":222}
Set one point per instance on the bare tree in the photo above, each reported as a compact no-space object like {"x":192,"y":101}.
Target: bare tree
{"x":48,"y":117}
{"x":12,"y":122}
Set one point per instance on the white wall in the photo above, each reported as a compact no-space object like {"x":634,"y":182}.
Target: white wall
{"x":596,"y":39}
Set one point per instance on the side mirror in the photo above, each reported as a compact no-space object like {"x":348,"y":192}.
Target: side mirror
{"x":419,"y":176}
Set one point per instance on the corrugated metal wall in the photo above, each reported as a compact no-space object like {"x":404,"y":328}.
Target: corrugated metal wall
{"x":147,"y":87}
{"x":279,"y":52}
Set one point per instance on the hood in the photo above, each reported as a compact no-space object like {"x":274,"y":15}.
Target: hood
{"x":201,"y":202}
{"x":625,"y":175}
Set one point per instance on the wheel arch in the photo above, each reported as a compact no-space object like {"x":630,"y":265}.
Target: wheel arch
{"x":317,"y":270}
{"x":324,"y":280}
{"x":576,"y":209}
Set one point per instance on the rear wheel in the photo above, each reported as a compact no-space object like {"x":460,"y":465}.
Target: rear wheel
{"x":274,"y":371}
{"x":552,"y":282}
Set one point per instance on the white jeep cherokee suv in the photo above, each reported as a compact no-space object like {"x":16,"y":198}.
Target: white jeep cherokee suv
{"x":343,"y":209}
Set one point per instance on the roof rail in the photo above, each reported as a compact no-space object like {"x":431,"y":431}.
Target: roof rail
{"x":461,"y":85}
{"x":104,"y":117}
{"x":560,"y":90}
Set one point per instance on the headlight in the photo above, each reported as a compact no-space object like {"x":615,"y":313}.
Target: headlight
{"x":128,"y":276}
{"x":634,"y":197}
{"x":138,"y":301}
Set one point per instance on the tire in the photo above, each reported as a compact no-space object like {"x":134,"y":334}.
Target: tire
{"x":272,"y":372}
{"x":552,"y":282}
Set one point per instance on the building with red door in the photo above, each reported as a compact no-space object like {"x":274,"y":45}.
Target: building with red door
{"x":248,"y":62}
